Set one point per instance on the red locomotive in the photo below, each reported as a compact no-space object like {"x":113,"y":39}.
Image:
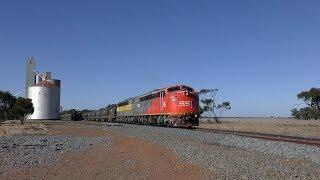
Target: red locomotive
{"x":171,"y":106}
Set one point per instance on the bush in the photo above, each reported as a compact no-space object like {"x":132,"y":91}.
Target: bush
{"x":22,"y":108}
{"x":13,"y":108}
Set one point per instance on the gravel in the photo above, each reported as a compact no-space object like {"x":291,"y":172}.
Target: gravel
{"x":27,"y":151}
{"x":231,"y":156}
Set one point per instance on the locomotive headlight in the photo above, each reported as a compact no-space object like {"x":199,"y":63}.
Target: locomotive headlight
{"x":174,"y":99}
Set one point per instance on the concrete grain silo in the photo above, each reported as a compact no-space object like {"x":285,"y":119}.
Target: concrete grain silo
{"x":45,"y":97}
{"x":44,"y":93}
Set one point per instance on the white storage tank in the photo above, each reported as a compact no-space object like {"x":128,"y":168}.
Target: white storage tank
{"x":45,"y":97}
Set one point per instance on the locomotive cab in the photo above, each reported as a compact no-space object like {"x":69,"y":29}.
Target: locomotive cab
{"x":182,"y":102}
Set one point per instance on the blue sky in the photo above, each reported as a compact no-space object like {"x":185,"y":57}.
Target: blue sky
{"x":259,"y":54}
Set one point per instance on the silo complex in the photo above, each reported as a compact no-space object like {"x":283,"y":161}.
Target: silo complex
{"x":46,"y":100}
{"x":45,"y":96}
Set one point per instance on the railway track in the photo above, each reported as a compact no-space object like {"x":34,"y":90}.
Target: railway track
{"x":265,"y":136}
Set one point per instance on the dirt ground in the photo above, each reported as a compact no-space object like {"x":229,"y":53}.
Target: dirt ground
{"x":285,"y":126}
{"x":13,"y":127}
{"x":132,"y":158}
{"x":126,"y":158}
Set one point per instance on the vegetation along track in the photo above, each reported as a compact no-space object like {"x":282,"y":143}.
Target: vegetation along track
{"x":265,"y":136}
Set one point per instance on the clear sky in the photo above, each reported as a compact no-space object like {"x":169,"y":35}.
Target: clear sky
{"x":259,"y":54}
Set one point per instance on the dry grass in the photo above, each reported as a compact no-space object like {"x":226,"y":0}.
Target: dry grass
{"x":285,"y":126}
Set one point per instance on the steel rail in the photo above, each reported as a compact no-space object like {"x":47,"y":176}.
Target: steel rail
{"x":266,"y":136}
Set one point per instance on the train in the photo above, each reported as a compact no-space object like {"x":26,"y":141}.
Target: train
{"x":176,"y":106}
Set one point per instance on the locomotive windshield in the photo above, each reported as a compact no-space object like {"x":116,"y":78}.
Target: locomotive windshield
{"x":187,"y":88}
{"x":175,"y":88}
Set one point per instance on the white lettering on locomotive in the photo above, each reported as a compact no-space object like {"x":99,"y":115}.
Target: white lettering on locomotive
{"x":185,"y":103}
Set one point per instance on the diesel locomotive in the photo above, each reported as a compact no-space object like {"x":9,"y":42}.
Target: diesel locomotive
{"x":176,"y":106}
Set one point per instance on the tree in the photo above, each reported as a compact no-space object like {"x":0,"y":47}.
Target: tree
{"x":13,"y":108}
{"x":305,"y":113}
{"x":296,"y":113}
{"x":85,"y":111}
{"x":22,"y":108}
{"x":70,"y":111}
{"x":7,"y":102}
{"x":210,"y":104}
{"x":201,"y":111}
{"x":312,"y":99}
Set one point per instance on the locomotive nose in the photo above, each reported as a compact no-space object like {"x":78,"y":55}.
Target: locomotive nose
{"x":190,"y":94}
